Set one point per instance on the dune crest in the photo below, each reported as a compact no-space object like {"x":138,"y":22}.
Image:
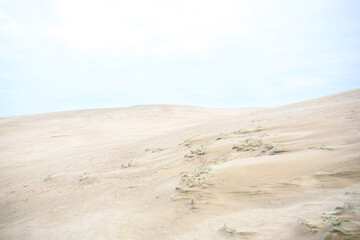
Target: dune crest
{"x":181,"y":172}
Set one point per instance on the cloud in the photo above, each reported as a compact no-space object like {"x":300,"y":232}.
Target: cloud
{"x":148,"y":27}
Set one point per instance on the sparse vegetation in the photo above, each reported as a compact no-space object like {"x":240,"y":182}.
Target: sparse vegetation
{"x":198,"y":151}
{"x":245,"y":131}
{"x":252,"y":144}
{"x":335,"y":221}
{"x":324,"y":147}
{"x":249,"y":144}
{"x":241,"y":131}
{"x":308,"y":225}
{"x":339,"y":227}
{"x":199,"y":176}
{"x":271,"y":145}
{"x":127,"y":165}
{"x":201,"y":150}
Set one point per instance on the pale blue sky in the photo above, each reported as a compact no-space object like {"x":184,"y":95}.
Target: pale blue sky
{"x":59,"y":55}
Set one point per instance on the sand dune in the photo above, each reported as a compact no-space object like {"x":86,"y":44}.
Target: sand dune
{"x":180,"y":172}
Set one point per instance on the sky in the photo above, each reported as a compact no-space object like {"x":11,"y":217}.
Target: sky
{"x":60,"y":55}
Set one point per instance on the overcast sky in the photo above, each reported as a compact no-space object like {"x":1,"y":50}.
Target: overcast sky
{"x":79,"y":54}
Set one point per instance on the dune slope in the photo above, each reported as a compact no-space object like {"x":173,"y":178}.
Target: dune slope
{"x":179,"y":172}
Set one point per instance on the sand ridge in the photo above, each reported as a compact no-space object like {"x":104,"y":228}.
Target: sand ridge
{"x":181,"y":172}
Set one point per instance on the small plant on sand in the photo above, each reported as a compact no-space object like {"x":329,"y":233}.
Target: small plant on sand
{"x":249,"y":144}
{"x":342,"y":223}
{"x":271,"y":145}
{"x":336,"y":221}
{"x":199,"y":151}
{"x":309,"y":225}
{"x":324,"y":147}
{"x":127,"y":165}
{"x":254,"y":142}
{"x":258,"y":145}
{"x":199,"y":176}
{"x":241,"y":131}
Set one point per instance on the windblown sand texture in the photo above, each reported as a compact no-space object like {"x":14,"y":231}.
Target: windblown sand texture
{"x":178,"y":172}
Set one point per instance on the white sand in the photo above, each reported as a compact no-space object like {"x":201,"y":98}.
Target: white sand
{"x":178,"y":172}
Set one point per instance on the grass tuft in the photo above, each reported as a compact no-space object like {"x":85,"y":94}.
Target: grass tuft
{"x":199,"y":176}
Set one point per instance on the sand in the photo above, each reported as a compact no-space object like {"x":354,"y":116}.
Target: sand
{"x":180,"y":172}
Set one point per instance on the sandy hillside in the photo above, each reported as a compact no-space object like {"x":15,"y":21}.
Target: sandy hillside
{"x":178,"y":172}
